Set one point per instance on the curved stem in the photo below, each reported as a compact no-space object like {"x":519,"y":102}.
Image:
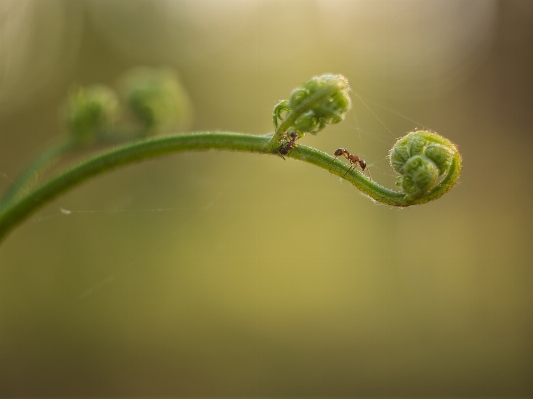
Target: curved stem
{"x":39,"y":165}
{"x":343,"y":170}
{"x":17,"y":211}
{"x":54,"y":153}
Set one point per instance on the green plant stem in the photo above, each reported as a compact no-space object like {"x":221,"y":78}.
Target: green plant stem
{"x":55,"y":152}
{"x":17,"y":211}
{"x":42,"y":163}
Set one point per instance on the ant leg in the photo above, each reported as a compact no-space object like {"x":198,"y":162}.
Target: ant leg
{"x":279,"y":152}
{"x":332,"y":162}
{"x":369,"y":175}
{"x":349,"y":169}
{"x":294,"y":148}
{"x":334,"y":159}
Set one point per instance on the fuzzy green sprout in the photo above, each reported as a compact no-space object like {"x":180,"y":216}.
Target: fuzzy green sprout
{"x":89,"y":111}
{"x":157,"y":99}
{"x":420,"y":158}
{"x":428,"y":164}
{"x":320,"y":101}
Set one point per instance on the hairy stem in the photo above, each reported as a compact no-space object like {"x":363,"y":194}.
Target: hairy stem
{"x":16,"y":211}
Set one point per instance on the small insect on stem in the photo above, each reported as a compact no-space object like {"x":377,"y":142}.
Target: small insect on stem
{"x":353,"y":159}
{"x":289,"y":145}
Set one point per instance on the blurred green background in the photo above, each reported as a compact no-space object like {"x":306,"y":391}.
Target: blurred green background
{"x":225,"y":274}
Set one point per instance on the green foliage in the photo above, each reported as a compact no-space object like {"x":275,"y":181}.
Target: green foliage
{"x":157,"y":99}
{"x":153,"y":96}
{"x":89,"y":111}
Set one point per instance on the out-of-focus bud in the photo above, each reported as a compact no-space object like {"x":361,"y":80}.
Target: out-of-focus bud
{"x":155,"y":96}
{"x":90,"y":111}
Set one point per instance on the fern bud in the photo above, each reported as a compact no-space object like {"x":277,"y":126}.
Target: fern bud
{"x":90,"y":111}
{"x":320,"y":101}
{"x":421,"y":158}
{"x":157,"y":99}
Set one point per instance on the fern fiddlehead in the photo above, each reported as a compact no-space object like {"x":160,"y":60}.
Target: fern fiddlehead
{"x":427,"y":163}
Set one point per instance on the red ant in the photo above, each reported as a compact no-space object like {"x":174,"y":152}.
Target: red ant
{"x":288,"y":145}
{"x":353,"y":159}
